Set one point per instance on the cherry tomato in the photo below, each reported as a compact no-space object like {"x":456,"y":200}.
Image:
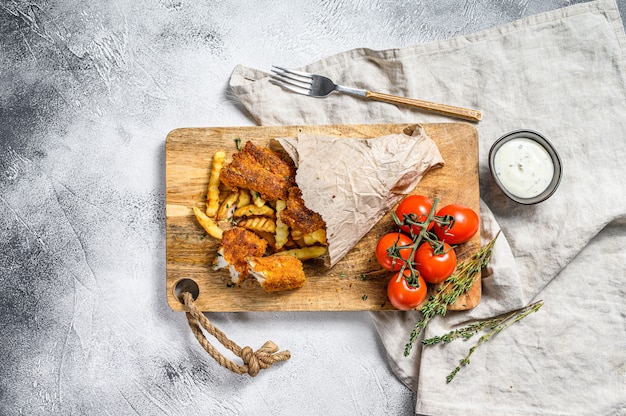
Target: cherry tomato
{"x":465,"y":224}
{"x":419,"y":206}
{"x":435,"y":268}
{"x":404,"y":296}
{"x":388,"y":241}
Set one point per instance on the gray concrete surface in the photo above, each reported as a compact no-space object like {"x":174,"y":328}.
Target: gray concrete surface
{"x":89,"y":91}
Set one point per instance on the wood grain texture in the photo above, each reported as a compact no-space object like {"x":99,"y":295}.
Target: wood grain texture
{"x":458,"y":112}
{"x":357,"y":282}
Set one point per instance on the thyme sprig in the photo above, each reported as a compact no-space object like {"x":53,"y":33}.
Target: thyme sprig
{"x":453,"y":287}
{"x":465,"y":332}
{"x":495,"y":325}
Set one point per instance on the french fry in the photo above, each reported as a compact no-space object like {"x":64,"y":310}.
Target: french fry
{"x":225,"y":211}
{"x":256,"y":198}
{"x":282,"y":229}
{"x":297,"y":235}
{"x":207,"y":223}
{"x":269,"y":237}
{"x":258,"y":224}
{"x":304,"y":253}
{"x":317,"y":236}
{"x":213,"y":192}
{"x":253,"y":210}
{"x":244,"y":198}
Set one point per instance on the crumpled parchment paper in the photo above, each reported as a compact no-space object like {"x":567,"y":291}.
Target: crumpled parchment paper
{"x":353,"y":182}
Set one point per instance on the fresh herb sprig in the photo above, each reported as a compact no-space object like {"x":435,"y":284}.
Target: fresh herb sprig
{"x":495,"y":325}
{"x":448,"y":293}
{"x":465,"y":333}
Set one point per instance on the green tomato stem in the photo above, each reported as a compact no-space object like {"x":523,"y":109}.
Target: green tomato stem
{"x":417,"y":239}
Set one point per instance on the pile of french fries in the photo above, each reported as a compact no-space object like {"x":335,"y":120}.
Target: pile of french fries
{"x":246,"y":208}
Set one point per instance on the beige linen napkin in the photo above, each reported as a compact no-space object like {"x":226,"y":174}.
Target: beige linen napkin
{"x":561,"y":73}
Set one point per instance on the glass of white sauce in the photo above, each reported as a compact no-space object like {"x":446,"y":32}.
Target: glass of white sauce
{"x":525,"y":166}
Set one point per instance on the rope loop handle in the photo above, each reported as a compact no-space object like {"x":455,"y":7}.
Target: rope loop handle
{"x":253,"y":361}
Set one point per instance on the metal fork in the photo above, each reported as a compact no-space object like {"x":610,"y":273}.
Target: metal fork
{"x":320,"y":86}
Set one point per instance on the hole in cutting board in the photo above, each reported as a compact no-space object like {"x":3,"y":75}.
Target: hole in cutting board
{"x":186,"y":285}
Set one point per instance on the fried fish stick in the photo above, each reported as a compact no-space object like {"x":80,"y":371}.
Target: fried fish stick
{"x":297,"y":216}
{"x":278,"y":273}
{"x":261,"y":170}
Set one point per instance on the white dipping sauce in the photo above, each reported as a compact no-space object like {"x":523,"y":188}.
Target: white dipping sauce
{"x":523,"y":167}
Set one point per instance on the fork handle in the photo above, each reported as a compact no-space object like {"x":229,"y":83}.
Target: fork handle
{"x":448,"y":110}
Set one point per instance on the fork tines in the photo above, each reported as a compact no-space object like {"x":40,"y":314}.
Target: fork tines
{"x":296,"y":81}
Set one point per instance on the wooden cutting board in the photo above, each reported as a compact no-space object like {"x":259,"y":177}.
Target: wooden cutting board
{"x":357,"y":282}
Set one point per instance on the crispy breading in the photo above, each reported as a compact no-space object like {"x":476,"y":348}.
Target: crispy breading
{"x":261,"y":170}
{"x":278,"y":273}
{"x":298,"y":216}
{"x":238,"y":244}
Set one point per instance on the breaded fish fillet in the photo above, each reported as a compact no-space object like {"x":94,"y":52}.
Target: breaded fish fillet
{"x":278,"y":273}
{"x":261,"y":170}
{"x":239,"y":244}
{"x":298,"y":216}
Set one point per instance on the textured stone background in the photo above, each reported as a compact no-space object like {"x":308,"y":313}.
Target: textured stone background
{"x":89,"y":91}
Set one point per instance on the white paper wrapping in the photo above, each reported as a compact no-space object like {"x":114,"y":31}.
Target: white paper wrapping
{"x":353,"y":182}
